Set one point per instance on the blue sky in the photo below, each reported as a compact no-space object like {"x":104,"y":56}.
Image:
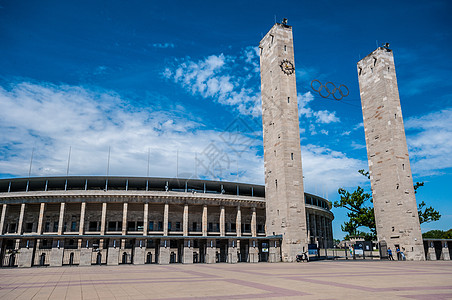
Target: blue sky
{"x":180,"y":81}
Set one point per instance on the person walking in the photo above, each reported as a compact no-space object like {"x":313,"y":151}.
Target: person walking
{"x":390,"y":254}
{"x":398,"y":253}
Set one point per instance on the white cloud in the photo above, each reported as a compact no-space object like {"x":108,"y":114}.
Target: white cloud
{"x":163,"y":45}
{"x":429,"y":139}
{"x":303,"y":104}
{"x":356,"y":146}
{"x":326,"y":117}
{"x":214,"y":78}
{"x":327,"y":170}
{"x":321,"y":116}
{"x":52,"y":118}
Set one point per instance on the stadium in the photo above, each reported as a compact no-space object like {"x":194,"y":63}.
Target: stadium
{"x":98,"y":220}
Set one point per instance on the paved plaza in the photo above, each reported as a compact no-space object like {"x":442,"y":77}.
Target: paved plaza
{"x":313,"y":280}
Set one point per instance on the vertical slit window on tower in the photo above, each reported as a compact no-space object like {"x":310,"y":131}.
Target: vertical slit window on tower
{"x":395,"y":116}
{"x":291,"y":156}
{"x":288,"y":99}
{"x":403,"y":166}
{"x":276,"y":183}
{"x":375,"y":61}
{"x":285,"y":48}
{"x":360,"y":71}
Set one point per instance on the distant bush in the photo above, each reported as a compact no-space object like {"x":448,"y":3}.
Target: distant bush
{"x":438,"y":234}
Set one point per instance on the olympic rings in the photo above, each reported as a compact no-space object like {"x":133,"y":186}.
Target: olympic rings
{"x":330,"y":89}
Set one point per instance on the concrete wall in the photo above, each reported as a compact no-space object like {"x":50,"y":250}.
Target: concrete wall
{"x":284,"y":193}
{"x":396,"y":215}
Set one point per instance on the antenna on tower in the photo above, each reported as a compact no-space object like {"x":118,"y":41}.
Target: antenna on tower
{"x":67,"y":169}
{"x":108,"y":168}
{"x":177,"y":164}
{"x":149,"y":154}
{"x":196,"y":164}
{"x":31,"y":161}
{"x":68,"y":161}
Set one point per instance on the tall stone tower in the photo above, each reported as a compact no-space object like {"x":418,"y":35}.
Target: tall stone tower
{"x":284,"y":193}
{"x":395,"y":206}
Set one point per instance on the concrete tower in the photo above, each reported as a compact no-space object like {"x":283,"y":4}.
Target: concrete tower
{"x":395,"y":206}
{"x":284,"y":193}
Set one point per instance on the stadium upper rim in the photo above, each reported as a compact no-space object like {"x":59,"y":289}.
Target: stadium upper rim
{"x":131,"y":183}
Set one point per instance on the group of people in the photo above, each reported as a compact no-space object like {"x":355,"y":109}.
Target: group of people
{"x":400,"y":254}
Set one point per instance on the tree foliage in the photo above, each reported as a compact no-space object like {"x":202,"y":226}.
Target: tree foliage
{"x":360,"y":214}
{"x":427,"y":214}
{"x":361,"y":211}
{"x":438,"y":234}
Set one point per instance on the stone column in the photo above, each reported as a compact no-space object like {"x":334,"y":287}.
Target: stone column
{"x":222,"y":222}
{"x":113,"y":253}
{"x":164,"y":252}
{"x":308,"y":226}
{"x":274,"y":251}
{"x":211,"y":251}
{"x":124,"y":218}
{"x":2,"y":219}
{"x":140,"y":252}
{"x":431,"y":251}
{"x":81,"y":226}
{"x":61,"y":219}
{"x":86,"y":254}
{"x":188,"y":252}
{"x":445,"y":251}
{"x":314,"y":223}
{"x":21,"y":218}
{"x":56,"y":254}
{"x":238,"y":222}
{"x":103,"y":218}
{"x":330,"y":237}
{"x":41,"y":218}
{"x":185,"y":222}
{"x":165,"y":222}
{"x":232,"y":251}
{"x":253,"y":223}
{"x":26,"y":255}
{"x":253,"y":251}
{"x":145,"y":219}
{"x":204,"y":220}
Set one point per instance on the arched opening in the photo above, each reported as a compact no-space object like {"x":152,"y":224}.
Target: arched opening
{"x":42,"y":259}
{"x":124,"y":258}
{"x":99,"y":258}
{"x":149,"y":258}
{"x":12,"y":260}
{"x":71,"y":258}
{"x":195,"y":257}
{"x":172,"y":257}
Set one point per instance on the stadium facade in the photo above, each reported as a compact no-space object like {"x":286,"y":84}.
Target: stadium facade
{"x":136,"y":220}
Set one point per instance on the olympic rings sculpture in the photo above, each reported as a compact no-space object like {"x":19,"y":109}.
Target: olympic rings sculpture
{"x":330,"y":89}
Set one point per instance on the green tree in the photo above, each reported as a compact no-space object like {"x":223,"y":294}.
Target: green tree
{"x":438,"y":234}
{"x":361,"y":211}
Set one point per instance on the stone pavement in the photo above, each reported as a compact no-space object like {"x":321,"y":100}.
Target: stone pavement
{"x":313,"y":280}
